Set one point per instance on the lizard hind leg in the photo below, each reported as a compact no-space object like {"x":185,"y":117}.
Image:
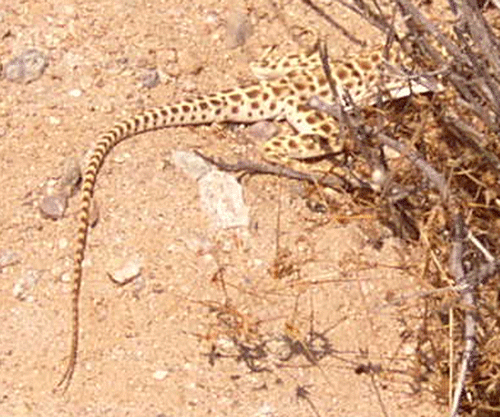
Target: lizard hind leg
{"x":284,"y":149}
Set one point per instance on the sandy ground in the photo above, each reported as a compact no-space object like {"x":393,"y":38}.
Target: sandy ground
{"x":145,"y":347}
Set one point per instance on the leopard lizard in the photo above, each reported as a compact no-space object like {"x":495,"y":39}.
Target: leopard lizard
{"x":283,"y":91}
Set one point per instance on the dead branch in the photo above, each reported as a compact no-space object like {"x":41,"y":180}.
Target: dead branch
{"x":252,"y":168}
{"x":457,"y":271}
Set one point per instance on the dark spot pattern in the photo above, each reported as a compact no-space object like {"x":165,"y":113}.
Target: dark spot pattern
{"x":326,"y":128}
{"x":278,"y":90}
{"x":311,"y":119}
{"x":364,"y":65}
{"x":341,"y":74}
{"x":254,"y":93}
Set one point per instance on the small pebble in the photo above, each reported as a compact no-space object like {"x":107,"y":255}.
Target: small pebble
{"x":151,"y":79}
{"x":66,"y":277}
{"x":266,"y":410}
{"x":25,"y":285}
{"x":63,"y":243}
{"x":160,"y":375}
{"x":212,"y":18}
{"x":53,"y":206}
{"x":7,"y":258}
{"x":70,"y":178}
{"x":27,"y":67}
{"x":127,"y":273}
{"x":120,"y":159}
{"x":75,"y":93}
{"x":55,"y":121}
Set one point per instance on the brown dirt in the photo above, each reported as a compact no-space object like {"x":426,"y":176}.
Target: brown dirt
{"x":151,"y":209}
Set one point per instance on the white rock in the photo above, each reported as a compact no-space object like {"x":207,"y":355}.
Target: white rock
{"x":8,"y":257}
{"x":25,"y":285}
{"x":63,"y":243}
{"x":66,"y":277}
{"x":76,"y":92}
{"x":160,"y":375}
{"x":128,"y":272}
{"x":222,"y":199}
{"x":54,"y":120}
